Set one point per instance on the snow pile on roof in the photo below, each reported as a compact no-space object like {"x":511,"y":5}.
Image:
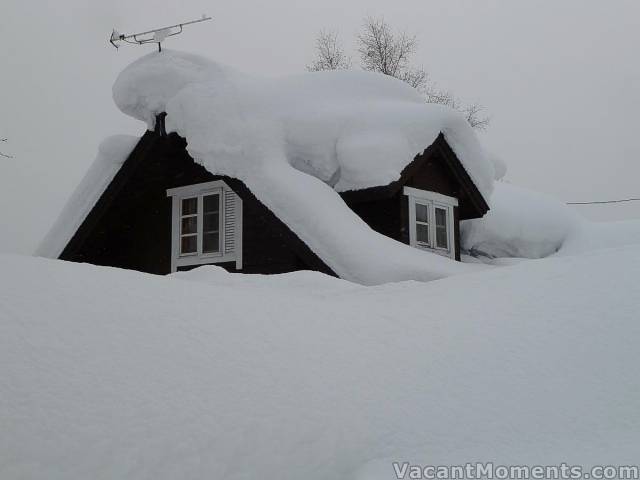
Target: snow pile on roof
{"x":112,"y":153}
{"x":527,"y":224}
{"x":161,"y":378}
{"x":351,"y":130}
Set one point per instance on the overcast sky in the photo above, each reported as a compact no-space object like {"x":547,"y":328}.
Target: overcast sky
{"x":561,"y":80}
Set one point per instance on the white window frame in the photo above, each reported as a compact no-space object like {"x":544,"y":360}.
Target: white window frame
{"x":199,"y":191}
{"x":432,"y":200}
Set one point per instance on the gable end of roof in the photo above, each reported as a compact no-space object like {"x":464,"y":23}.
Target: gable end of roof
{"x":439,"y":146}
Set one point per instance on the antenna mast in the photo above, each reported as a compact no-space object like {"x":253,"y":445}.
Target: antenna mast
{"x":157,"y":35}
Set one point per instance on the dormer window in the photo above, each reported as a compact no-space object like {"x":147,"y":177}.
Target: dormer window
{"x":206,"y":225}
{"x":431,"y":221}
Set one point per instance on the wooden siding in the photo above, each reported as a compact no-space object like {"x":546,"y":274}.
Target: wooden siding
{"x":390,"y":215}
{"x":130,"y":227}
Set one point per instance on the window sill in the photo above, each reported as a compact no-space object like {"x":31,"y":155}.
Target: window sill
{"x":191,"y":260}
{"x":440,"y":251}
{"x":204,"y":255}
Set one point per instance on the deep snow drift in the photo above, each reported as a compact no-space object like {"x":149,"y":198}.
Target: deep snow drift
{"x":528,"y":224}
{"x":296,"y":140}
{"x":106,"y":373}
{"x":520,"y":223}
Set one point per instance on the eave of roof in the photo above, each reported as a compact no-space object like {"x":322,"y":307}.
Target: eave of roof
{"x":478,"y":204}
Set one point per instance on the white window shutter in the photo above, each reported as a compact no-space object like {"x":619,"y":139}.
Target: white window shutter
{"x":230,"y":221}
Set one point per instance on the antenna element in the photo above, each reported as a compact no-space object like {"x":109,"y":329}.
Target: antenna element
{"x":157,"y":35}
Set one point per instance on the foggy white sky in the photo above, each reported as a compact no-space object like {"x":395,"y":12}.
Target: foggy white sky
{"x":561,"y":80}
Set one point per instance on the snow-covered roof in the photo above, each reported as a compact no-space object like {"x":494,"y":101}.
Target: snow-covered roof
{"x":351,"y":129}
{"x":112,"y":153}
{"x":297,"y":140}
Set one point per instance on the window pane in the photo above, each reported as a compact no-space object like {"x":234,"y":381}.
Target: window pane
{"x":189,"y":206}
{"x":211,"y":203}
{"x":211,"y":222}
{"x":210,"y":242}
{"x":189,"y":244}
{"x":441,"y":217}
{"x":422,"y":213}
{"x":189,"y":225}
{"x":441,"y":237}
{"x":422,"y":233}
{"x":442,"y":240}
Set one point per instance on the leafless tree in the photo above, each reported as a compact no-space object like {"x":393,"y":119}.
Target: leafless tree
{"x":476,"y":117}
{"x":4,"y":154}
{"x":385,"y":51}
{"x":474,"y":112}
{"x":329,"y":54}
{"x":382,"y":50}
{"x":389,"y":52}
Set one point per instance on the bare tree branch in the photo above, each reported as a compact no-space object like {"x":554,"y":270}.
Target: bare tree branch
{"x":382,"y":50}
{"x":4,"y":154}
{"x":329,"y":54}
{"x":475,"y":116}
{"x":473,"y":112}
{"x":385,"y":51}
{"x":418,"y":79}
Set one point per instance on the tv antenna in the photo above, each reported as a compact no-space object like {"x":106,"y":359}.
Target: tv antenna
{"x":157,"y":35}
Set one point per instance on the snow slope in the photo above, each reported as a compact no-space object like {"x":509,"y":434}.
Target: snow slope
{"x":523,"y":223}
{"x":296,"y":140}
{"x":106,"y":373}
{"x":112,"y":153}
{"x":520,"y":223}
{"x":591,"y":236}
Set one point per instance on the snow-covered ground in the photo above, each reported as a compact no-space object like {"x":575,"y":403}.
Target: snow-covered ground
{"x":106,"y":373}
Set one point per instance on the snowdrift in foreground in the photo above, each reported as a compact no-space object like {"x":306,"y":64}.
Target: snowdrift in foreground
{"x":295,"y":141}
{"x":527,"y":224}
{"x":206,"y":374}
{"x":112,"y":153}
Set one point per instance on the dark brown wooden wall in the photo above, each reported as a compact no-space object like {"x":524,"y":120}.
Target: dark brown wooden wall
{"x":130,"y":226}
{"x":134,"y":229}
{"x":390,"y":215}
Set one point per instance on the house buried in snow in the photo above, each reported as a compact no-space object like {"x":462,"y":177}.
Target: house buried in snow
{"x":347,"y":173}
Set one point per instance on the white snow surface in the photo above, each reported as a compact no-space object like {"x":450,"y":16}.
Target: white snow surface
{"x":112,"y":153}
{"x":296,"y":141}
{"x":597,"y":235}
{"x":107,"y":373}
{"x":523,"y":223}
{"x":520,"y":223}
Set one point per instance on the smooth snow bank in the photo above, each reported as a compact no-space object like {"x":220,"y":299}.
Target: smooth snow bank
{"x":112,"y":153}
{"x":160,"y":377}
{"x":295,"y":141}
{"x":594,"y":235}
{"x":307,"y":281}
{"x":522,"y":223}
